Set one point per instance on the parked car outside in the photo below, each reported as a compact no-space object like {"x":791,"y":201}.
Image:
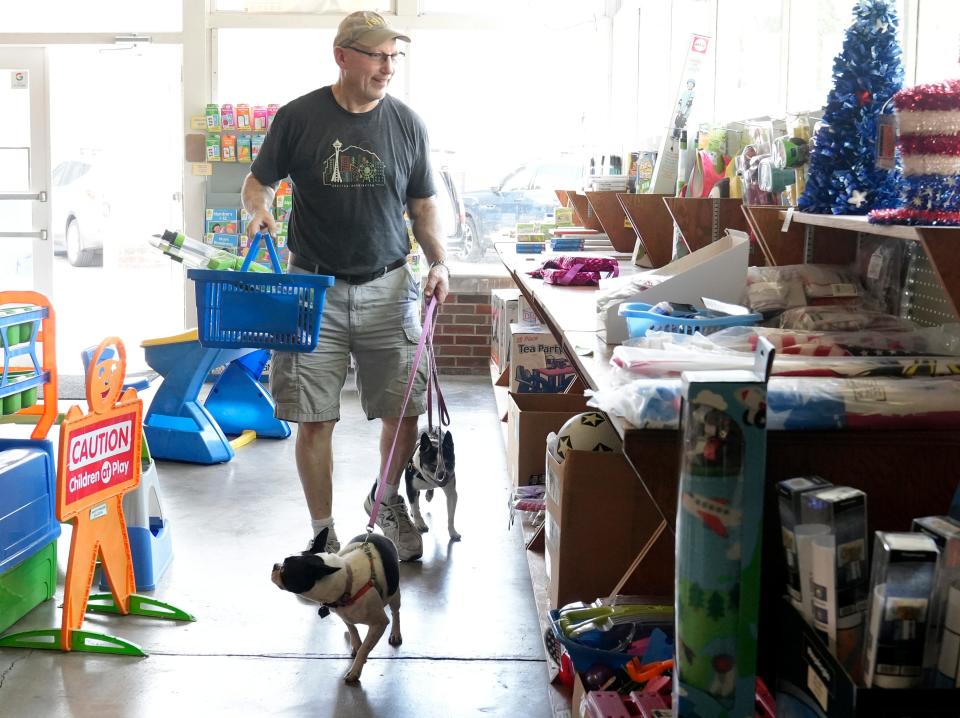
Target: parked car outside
{"x":80,"y":211}
{"x":526,"y":194}
{"x":449,"y":205}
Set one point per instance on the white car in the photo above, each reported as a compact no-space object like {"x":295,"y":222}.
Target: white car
{"x":80,"y":212}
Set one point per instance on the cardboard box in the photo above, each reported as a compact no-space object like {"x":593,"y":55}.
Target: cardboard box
{"x":530,"y":417}
{"x":811,"y":683}
{"x":526,"y":313}
{"x":504,"y":305}
{"x":537,"y":362}
{"x":598,"y":518}
{"x":717,"y":271}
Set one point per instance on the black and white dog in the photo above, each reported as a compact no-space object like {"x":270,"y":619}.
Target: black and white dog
{"x":355,"y":584}
{"x":432,"y":466}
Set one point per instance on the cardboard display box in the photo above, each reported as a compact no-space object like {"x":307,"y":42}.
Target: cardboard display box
{"x":504,"y":305}
{"x":537,"y":362}
{"x":530,"y":417}
{"x":717,"y":271}
{"x":811,"y":683}
{"x":598,"y":518}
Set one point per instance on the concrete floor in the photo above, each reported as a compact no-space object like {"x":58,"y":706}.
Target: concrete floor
{"x":471,"y":638}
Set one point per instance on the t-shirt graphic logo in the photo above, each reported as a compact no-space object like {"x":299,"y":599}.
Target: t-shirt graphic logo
{"x":353,"y":167}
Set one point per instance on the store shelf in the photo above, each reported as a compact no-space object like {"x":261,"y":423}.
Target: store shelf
{"x":853,"y":223}
{"x":652,"y":223}
{"x":613,"y":219}
{"x":582,"y":207}
{"x":833,"y":239}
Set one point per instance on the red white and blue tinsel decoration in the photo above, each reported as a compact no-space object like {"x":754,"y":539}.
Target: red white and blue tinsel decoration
{"x":843,"y":176}
{"x":929,"y":146}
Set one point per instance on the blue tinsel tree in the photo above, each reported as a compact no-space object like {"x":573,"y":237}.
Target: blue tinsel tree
{"x":843,"y":177}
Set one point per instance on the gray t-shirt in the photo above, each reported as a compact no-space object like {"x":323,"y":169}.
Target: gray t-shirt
{"x":351,"y":175}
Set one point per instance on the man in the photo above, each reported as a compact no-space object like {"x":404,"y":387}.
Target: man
{"x":356,"y":157}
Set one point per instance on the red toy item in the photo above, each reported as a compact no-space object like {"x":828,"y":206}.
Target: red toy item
{"x":766,"y":705}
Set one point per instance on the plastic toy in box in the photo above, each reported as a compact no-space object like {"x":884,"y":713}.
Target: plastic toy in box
{"x":28,"y":527}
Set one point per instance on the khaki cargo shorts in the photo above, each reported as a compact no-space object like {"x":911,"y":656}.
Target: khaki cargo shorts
{"x":379,"y":324}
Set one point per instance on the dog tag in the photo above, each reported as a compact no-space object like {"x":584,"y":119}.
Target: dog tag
{"x":323,"y":612}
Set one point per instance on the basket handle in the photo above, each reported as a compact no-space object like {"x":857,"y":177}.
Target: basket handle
{"x":271,"y":249}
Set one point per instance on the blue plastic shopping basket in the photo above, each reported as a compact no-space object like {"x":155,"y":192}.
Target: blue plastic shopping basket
{"x":640,"y":318}
{"x":238,"y":309}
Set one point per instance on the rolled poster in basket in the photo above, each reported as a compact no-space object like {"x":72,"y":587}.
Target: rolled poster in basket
{"x":259,"y":311}
{"x":718,"y":533}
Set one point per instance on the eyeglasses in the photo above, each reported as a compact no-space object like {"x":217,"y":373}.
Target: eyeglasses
{"x":379,"y":57}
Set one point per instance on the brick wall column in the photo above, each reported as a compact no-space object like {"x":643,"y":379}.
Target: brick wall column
{"x":462,"y":337}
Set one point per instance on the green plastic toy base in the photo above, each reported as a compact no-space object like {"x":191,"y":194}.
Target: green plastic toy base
{"x":80,"y":641}
{"x":139,"y":606}
{"x":92,"y":642}
{"x":28,"y":585}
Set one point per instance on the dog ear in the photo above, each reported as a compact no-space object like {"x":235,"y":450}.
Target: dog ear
{"x":319,"y":568}
{"x":447,"y":441}
{"x":319,"y":542}
{"x":424,"y":441}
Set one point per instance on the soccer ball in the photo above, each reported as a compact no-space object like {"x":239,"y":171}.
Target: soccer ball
{"x":589,"y":431}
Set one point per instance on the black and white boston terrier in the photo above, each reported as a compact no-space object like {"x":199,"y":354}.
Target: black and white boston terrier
{"x":433,"y":466}
{"x":356,"y":584}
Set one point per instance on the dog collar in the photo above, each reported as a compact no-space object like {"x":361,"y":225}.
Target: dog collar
{"x":346,"y":599}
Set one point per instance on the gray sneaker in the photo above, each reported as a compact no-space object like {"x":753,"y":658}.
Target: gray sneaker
{"x":333,"y":544}
{"x":394,"y":521}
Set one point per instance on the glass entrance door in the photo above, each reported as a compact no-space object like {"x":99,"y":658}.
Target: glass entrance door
{"x":26,"y":255}
{"x":116,"y":139}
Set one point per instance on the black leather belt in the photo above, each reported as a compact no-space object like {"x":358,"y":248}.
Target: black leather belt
{"x":313,"y":268}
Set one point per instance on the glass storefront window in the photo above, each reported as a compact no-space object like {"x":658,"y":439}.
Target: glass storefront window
{"x":121,"y":16}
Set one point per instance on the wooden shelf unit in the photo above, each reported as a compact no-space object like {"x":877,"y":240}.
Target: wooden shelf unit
{"x":652,"y":223}
{"x":833,"y":239}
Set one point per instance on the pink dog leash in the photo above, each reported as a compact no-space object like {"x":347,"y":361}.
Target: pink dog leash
{"x":426,"y":338}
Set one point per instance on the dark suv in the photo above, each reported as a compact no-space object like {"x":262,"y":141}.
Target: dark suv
{"x":527,"y":194}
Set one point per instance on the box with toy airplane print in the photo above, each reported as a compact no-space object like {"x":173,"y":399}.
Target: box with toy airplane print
{"x":718,"y":538}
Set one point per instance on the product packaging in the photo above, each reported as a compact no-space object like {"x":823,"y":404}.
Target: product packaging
{"x":213,"y":147}
{"x":900,"y":586}
{"x":942,"y":650}
{"x":718,"y":539}
{"x":212,"y":113}
{"x":243,"y":117}
{"x":840,"y":579}
{"x":228,"y":120}
{"x":228,"y":148}
{"x":789,"y":493}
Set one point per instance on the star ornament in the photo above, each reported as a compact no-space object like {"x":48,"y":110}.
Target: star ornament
{"x":857,"y":198}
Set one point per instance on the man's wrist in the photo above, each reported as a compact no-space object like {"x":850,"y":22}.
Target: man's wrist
{"x":440,"y":263}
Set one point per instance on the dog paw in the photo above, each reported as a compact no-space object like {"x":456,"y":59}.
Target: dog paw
{"x":352,"y":677}
{"x":395,"y":640}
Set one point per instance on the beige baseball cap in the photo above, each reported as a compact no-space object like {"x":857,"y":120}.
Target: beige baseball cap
{"x":367,"y":28}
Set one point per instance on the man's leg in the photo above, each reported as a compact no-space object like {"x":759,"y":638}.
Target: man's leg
{"x":314,"y":454}
{"x":406,"y":442}
{"x":392,"y":517}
